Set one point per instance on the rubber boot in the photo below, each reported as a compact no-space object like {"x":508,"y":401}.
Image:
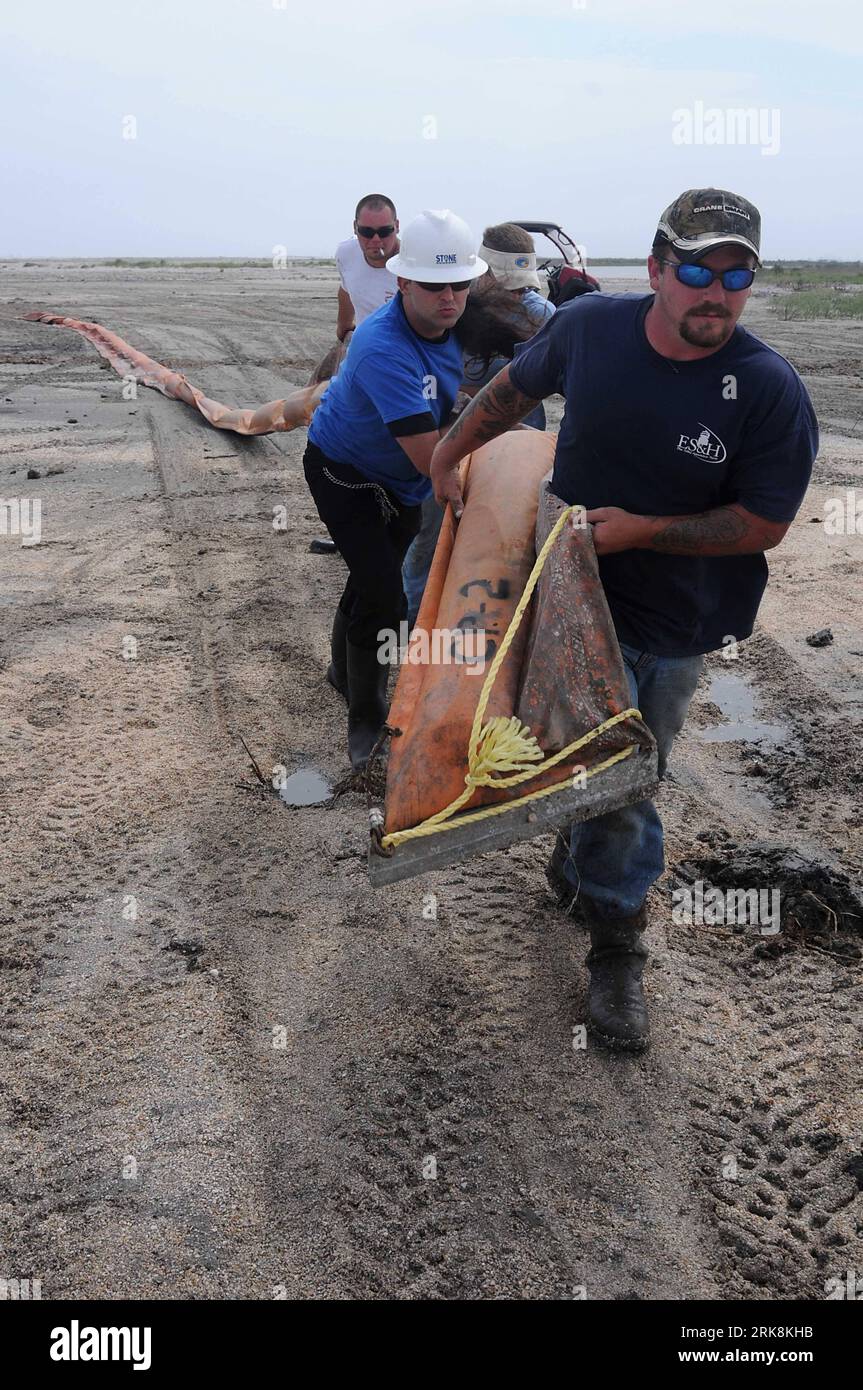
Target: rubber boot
{"x":616,"y":1011}
{"x":367,"y":702}
{"x":337,"y":671}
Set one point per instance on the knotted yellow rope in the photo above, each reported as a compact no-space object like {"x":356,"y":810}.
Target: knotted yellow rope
{"x":507,"y":745}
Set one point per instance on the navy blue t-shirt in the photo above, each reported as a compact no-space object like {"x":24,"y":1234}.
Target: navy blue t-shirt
{"x":665,"y":438}
{"x":392,"y":383}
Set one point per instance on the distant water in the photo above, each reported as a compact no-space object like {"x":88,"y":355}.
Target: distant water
{"x":618,"y":272}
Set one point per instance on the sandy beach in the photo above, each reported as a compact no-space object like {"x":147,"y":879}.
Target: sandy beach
{"x":227,"y":1060}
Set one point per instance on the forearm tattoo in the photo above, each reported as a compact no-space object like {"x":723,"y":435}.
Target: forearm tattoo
{"x":493,"y":410}
{"x":693,"y":535}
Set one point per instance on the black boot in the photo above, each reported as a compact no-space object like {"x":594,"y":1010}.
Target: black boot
{"x":616,"y":1011}
{"x":337,"y":671}
{"x":367,"y":702}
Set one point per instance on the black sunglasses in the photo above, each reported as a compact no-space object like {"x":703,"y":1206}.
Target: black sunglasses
{"x":698,"y":277}
{"x":382,"y":232}
{"x":454,"y":285}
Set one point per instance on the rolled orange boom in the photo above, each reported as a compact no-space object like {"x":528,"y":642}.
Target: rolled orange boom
{"x":484,"y":574}
{"x":556,"y":703}
{"x":295,"y":409}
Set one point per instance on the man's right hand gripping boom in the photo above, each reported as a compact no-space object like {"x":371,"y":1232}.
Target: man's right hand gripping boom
{"x":494,"y":410}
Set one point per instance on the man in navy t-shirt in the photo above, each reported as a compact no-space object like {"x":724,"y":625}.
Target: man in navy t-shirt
{"x":690,"y":443}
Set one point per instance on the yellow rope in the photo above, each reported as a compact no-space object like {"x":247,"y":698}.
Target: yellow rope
{"x":507,"y":745}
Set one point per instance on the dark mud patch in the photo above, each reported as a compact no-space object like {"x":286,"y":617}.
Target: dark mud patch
{"x":808,"y":905}
{"x":798,"y":777}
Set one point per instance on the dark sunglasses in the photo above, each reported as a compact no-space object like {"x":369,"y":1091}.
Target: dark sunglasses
{"x":454,"y":285}
{"x":698,"y":277}
{"x":382,"y":232}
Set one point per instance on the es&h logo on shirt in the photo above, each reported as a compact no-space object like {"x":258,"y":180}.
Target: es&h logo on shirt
{"x":705,"y":445}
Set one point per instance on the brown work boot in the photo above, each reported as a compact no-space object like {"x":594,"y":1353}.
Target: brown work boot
{"x":616,"y":1010}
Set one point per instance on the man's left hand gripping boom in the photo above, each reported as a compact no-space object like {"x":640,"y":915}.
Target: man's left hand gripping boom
{"x":498,"y":407}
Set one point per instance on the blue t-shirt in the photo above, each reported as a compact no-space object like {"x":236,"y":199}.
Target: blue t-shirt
{"x":665,"y":438}
{"x":392,"y":383}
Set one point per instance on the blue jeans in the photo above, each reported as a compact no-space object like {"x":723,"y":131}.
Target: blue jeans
{"x":417,"y":562}
{"x":613,"y":859}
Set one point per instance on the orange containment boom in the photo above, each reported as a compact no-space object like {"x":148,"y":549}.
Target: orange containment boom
{"x":512,"y":702}
{"x":296,"y":409}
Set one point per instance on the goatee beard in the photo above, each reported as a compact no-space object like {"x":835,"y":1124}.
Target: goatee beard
{"x":711,"y":332}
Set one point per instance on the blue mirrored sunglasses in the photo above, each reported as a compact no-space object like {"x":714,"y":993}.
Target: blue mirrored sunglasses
{"x":698,"y":277}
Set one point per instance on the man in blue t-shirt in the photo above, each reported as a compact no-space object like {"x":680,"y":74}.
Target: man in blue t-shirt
{"x":690,"y":443}
{"x":370,"y":446}
{"x":509,"y":253}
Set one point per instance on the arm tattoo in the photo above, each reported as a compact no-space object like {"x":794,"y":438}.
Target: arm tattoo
{"x":493,"y":410}
{"x":700,"y":535}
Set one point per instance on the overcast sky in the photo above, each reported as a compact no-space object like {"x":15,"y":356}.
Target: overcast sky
{"x":258,"y":123}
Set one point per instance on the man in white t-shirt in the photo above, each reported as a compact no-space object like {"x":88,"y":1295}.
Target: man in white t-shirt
{"x":366,"y":283}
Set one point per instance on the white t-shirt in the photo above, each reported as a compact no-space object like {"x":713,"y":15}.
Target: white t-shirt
{"x":367,"y":287}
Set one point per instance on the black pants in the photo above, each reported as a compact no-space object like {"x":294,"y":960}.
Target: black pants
{"x":372,"y":530}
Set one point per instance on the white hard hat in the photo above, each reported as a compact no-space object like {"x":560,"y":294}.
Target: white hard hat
{"x":438,"y":247}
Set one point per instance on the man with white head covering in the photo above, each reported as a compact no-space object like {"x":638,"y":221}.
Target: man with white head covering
{"x":511,"y":258}
{"x":509,"y":253}
{"x":369,"y":451}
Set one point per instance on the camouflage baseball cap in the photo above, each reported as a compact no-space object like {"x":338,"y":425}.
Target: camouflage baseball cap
{"x":702,"y":218}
